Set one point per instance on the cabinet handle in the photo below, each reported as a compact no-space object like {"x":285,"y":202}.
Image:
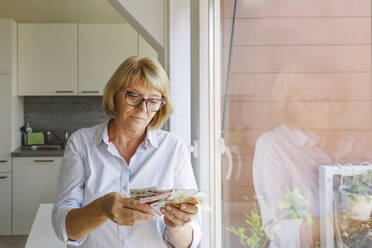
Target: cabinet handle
{"x":64,"y":91}
{"x":3,"y":177}
{"x":89,"y":91}
{"x":3,"y":161}
{"x":44,"y":161}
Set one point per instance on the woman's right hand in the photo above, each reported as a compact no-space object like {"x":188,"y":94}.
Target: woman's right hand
{"x":125,"y":211}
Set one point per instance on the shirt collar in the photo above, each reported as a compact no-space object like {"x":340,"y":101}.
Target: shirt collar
{"x":152,"y":137}
{"x":302,"y":138}
{"x":102,"y":135}
{"x":310,"y":139}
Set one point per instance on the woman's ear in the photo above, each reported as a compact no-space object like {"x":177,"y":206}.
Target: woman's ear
{"x":115,"y":103}
{"x":153,"y":119}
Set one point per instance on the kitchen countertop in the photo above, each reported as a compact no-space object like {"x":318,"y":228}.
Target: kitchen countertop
{"x":28,"y":153}
{"x":42,"y":232}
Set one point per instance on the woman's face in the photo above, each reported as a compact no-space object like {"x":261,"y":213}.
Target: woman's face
{"x":317,"y":104}
{"x":135,"y":118}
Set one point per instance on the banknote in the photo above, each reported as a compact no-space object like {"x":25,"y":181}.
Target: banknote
{"x":160,"y":198}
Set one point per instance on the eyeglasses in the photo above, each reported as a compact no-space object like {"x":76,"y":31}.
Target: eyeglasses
{"x":134,"y":100}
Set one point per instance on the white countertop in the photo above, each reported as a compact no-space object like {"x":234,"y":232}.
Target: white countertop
{"x":42,"y":232}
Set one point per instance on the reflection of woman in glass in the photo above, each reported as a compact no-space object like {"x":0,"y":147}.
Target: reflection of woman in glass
{"x":287,"y":158}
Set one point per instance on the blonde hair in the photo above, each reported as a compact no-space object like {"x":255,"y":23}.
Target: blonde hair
{"x":132,"y":70}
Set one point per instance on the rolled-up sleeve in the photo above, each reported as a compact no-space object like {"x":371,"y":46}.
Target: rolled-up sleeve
{"x":70,"y":190}
{"x":185,"y":179}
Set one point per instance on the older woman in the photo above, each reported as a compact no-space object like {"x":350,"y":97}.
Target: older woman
{"x":102,"y":163}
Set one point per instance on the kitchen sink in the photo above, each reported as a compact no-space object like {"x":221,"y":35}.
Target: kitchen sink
{"x":42,"y":148}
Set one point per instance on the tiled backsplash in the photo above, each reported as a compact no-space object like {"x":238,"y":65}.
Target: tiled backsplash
{"x":63,"y":112}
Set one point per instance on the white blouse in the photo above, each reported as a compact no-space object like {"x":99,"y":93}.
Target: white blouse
{"x":92,"y":167}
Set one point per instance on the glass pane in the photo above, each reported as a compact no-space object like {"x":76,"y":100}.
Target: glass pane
{"x":298,"y":123}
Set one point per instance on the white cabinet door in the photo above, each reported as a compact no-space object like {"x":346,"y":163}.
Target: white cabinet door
{"x":5,"y":203}
{"x":8,"y":32}
{"x":35,"y":181}
{"x":5,"y":146}
{"x":145,"y":50}
{"x":102,"y":48}
{"x":47,"y":59}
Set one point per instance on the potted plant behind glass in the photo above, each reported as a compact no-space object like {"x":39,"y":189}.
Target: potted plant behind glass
{"x":254,"y":235}
{"x":258,"y":235}
{"x":356,"y":195}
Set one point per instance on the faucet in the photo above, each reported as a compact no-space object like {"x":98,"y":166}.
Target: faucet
{"x":65,"y":137}
{"x":49,"y":137}
{"x":57,"y":138}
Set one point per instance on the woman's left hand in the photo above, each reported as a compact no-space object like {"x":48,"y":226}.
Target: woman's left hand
{"x":178,"y":216}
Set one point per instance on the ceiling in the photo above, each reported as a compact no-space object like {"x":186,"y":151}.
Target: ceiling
{"x":70,"y":11}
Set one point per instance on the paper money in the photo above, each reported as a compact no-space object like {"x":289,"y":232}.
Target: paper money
{"x":146,"y":192}
{"x":155,"y":198}
{"x":160,"y":198}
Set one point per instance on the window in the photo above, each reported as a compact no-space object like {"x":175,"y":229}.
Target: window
{"x":295,"y":95}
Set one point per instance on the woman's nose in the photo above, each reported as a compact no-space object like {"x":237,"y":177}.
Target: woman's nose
{"x":142,"y":106}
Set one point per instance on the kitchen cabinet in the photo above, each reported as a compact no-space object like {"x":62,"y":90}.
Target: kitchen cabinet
{"x":35,"y":181}
{"x":5,"y":111}
{"x":74,"y":59}
{"x":47,"y":59}
{"x":5,"y":203}
{"x":11,"y":112}
{"x":11,"y":106}
{"x":145,"y":50}
{"x":102,"y":48}
{"x":8,"y":49}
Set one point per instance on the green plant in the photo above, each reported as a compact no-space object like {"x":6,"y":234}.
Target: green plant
{"x":354,"y":221}
{"x":257,"y":237}
{"x":359,"y":185}
{"x":293,"y":206}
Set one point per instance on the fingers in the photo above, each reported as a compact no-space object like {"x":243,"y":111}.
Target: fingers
{"x":125,"y":211}
{"x":135,"y":217}
{"x":171,"y":220}
{"x":179,"y":216}
{"x":189,"y":208}
{"x":131,"y":217}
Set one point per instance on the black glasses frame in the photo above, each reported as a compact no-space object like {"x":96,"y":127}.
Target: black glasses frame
{"x":142,"y":100}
